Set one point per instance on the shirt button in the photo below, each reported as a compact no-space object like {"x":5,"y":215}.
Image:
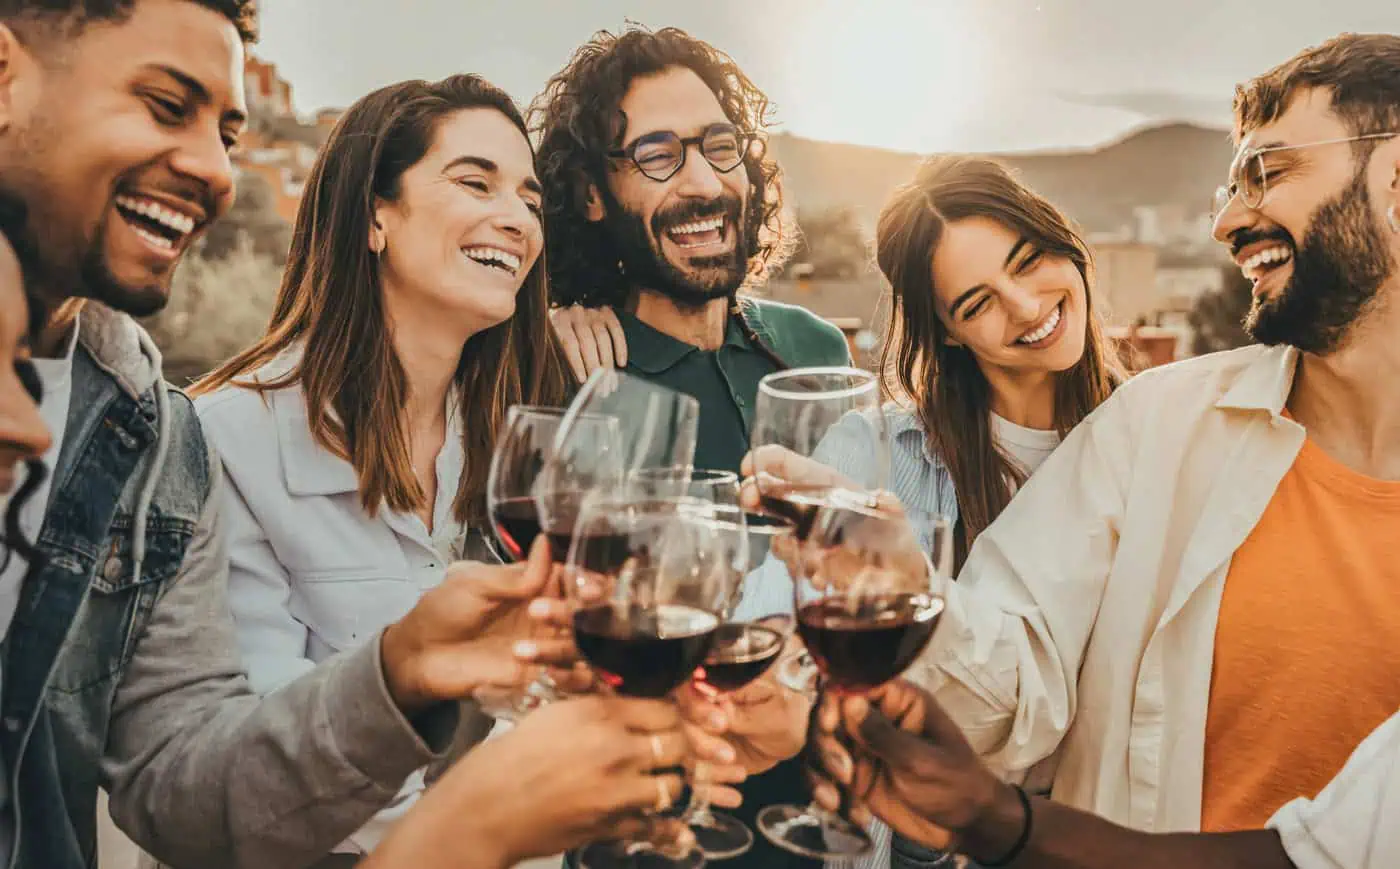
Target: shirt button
{"x":112,"y":570}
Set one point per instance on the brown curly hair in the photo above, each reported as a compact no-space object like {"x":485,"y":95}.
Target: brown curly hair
{"x":578,"y":118}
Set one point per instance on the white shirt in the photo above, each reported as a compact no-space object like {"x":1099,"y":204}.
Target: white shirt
{"x":1029,"y":447}
{"x":1355,"y":822}
{"x":310,"y":572}
{"x":1082,"y":626}
{"x":56,"y":375}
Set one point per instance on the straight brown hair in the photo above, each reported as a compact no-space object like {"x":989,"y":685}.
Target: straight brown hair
{"x":331,"y":303}
{"x":944,"y":382}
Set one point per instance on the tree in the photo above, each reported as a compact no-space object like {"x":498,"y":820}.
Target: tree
{"x":832,"y":243}
{"x":1217,"y":318}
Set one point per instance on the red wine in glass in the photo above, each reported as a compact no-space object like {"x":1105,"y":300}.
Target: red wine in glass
{"x":741,"y":652}
{"x":860,"y":646}
{"x":644,"y":652}
{"x":517,"y":524}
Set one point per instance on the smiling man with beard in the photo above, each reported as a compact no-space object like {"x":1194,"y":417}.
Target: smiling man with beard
{"x":660,"y":205}
{"x":1192,"y":607}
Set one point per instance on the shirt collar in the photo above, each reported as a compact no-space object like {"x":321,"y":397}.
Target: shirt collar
{"x":652,"y":351}
{"x":1265,"y":383}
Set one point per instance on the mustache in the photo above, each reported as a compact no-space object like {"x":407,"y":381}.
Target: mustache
{"x":190,"y":190}
{"x":689,"y":212}
{"x":1243,"y":238}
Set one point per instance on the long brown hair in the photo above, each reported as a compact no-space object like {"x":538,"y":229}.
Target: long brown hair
{"x":949,"y":390}
{"x":331,"y":302}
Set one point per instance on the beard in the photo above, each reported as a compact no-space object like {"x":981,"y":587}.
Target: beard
{"x":1337,"y":273}
{"x":646,"y":265}
{"x":68,"y":253}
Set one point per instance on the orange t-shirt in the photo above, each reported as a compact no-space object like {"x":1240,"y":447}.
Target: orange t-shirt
{"x":1307,"y":649}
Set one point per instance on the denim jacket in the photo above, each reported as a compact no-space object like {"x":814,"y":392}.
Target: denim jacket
{"x":122,"y":672}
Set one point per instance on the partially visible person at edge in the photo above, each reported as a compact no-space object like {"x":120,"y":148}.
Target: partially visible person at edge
{"x":354,"y":476}
{"x":1148,"y":609}
{"x":908,"y":763}
{"x":661,"y":204}
{"x":122,"y":670}
{"x":996,"y":353}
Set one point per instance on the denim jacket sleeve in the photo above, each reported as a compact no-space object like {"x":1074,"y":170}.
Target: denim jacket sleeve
{"x":202,"y":772}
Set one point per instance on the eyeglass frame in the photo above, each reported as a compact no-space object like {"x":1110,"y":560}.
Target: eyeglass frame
{"x":1226,"y":193}
{"x":747,"y":139}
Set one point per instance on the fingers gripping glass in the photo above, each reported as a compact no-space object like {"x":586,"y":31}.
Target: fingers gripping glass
{"x":661,"y":154}
{"x":867,"y":604}
{"x":1249,"y":177}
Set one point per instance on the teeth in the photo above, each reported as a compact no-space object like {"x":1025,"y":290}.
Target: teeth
{"x":157,"y":240}
{"x":713,"y":223}
{"x":1264,"y":257}
{"x":1045,"y":329}
{"x":484,"y":254}
{"x":149,"y":208}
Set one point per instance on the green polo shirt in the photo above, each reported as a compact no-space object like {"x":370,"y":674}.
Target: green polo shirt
{"x":725,"y":381}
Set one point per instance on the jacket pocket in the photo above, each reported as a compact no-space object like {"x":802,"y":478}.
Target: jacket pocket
{"x":113,"y":619}
{"x":345,"y":608}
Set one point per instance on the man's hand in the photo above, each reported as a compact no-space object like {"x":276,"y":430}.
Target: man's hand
{"x":591,"y":337}
{"x":472,"y":631}
{"x":908,"y":763}
{"x":767,"y":722}
{"x":572,"y":772}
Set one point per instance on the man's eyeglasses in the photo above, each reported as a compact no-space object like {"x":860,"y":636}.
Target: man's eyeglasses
{"x":661,"y":154}
{"x":1249,"y":177}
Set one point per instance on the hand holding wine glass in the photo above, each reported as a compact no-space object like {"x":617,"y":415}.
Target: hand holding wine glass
{"x":648,"y":580}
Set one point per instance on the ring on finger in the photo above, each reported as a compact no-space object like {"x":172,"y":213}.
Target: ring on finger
{"x":657,"y":750}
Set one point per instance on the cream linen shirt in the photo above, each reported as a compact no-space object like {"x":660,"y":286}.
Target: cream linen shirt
{"x":1082,"y":628}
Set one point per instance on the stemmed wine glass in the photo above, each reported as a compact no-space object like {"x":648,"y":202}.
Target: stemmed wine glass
{"x":683,"y":481}
{"x":648,"y":580}
{"x":867,"y":599}
{"x":831,"y":415}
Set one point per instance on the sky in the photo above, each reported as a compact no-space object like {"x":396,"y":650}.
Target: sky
{"x":913,"y":75}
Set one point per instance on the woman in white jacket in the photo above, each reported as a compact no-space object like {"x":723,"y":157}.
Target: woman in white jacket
{"x":356,"y":435}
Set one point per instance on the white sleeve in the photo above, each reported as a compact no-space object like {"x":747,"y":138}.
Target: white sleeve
{"x":1355,"y":822}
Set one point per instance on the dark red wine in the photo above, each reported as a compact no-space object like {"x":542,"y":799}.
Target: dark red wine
{"x":861,"y":648}
{"x":740,"y":654}
{"x":821,"y":516}
{"x":517,"y":524}
{"x":644,"y":652}
{"x":601,"y":552}
{"x":798,"y":509}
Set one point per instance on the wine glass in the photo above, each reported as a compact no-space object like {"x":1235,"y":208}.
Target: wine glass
{"x":683,"y":481}
{"x":742,"y":651}
{"x":648,"y":581}
{"x":867,"y":600}
{"x":653,"y":427}
{"x":831,"y":415}
{"x":522,"y":448}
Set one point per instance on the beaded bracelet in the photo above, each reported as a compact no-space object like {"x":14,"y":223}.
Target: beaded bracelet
{"x":1021,"y":842}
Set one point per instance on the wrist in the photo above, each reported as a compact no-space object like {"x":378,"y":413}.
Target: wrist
{"x":997,"y":829}
{"x":398,"y":678}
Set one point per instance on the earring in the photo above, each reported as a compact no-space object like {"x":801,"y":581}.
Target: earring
{"x":1393,"y":219}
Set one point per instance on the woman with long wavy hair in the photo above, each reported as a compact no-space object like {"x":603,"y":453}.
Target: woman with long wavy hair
{"x":356,"y":435}
{"x":994,"y":350}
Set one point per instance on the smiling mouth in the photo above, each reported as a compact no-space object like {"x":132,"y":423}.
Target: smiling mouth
{"x":1258,"y":266}
{"x":162,"y":227}
{"x":1046,"y":328}
{"x":493,"y":258}
{"x":698,"y":233}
